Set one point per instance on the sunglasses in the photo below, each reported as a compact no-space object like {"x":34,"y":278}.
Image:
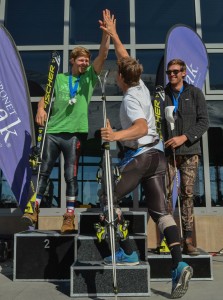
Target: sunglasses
{"x":175,"y":72}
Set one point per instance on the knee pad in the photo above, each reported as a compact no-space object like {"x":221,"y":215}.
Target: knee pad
{"x":165,"y":222}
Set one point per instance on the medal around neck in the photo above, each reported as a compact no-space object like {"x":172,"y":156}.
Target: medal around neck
{"x":72,"y":101}
{"x":73,"y":89}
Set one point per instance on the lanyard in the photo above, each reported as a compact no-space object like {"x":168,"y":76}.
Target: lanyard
{"x":175,"y":100}
{"x":73,"y":89}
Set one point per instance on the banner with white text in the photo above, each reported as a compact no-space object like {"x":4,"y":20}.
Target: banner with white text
{"x":16,"y":120}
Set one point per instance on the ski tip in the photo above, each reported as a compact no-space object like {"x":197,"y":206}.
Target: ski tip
{"x":55,"y":54}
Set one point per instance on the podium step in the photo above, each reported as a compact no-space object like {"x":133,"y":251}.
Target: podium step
{"x":160,"y":266}
{"x":89,"y":249}
{"x":43,"y":256}
{"x":90,"y":279}
{"x":138,"y":222}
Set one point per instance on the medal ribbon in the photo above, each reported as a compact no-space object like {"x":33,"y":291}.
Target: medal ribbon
{"x":175,"y":100}
{"x":73,"y":89}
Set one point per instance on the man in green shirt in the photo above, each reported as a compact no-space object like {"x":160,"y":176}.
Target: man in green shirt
{"x":68,"y":125}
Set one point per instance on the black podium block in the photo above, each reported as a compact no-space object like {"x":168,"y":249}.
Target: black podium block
{"x":160,"y":266}
{"x":95,"y":279}
{"x":89,"y":249}
{"x":43,"y":256}
{"x":138,"y":222}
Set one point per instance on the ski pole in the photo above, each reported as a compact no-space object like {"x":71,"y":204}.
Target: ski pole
{"x":106,"y":146}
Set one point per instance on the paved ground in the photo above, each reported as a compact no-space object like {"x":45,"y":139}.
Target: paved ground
{"x":198,"y":290}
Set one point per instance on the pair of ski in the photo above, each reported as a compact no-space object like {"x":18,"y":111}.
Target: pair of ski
{"x":37,"y":150}
{"x":106,"y":177}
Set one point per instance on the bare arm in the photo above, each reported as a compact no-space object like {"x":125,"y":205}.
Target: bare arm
{"x":109,"y":26}
{"x":103,"y":51}
{"x":138,"y":129}
{"x":41,"y":115}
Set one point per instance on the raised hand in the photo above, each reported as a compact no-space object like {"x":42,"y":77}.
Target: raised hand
{"x":109,"y":23}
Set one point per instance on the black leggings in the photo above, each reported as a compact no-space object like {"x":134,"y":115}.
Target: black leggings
{"x":53,"y":146}
{"x":149,"y":169}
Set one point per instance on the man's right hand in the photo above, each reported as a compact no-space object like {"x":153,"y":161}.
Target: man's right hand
{"x":176,"y":141}
{"x":41,"y":116}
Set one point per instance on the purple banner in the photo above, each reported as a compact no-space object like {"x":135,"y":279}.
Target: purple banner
{"x":184,"y":43}
{"x":16,"y":124}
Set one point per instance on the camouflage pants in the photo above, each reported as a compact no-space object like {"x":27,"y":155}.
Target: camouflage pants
{"x":187,"y":166}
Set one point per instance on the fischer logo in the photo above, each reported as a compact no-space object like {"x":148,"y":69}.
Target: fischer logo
{"x":8,"y":118}
{"x":49,"y":85}
{"x":158,"y":118}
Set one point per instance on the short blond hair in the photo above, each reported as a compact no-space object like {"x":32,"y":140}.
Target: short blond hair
{"x":177,"y":61}
{"x":80,"y":51}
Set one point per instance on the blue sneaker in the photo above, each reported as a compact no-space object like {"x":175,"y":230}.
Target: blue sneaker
{"x":180,"y":279}
{"x":123,"y":259}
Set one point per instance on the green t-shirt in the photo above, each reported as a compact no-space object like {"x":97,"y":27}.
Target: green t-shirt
{"x":72,"y":118}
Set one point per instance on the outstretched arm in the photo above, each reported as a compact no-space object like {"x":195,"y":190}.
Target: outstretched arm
{"x":103,"y":51}
{"x":109,"y":26}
